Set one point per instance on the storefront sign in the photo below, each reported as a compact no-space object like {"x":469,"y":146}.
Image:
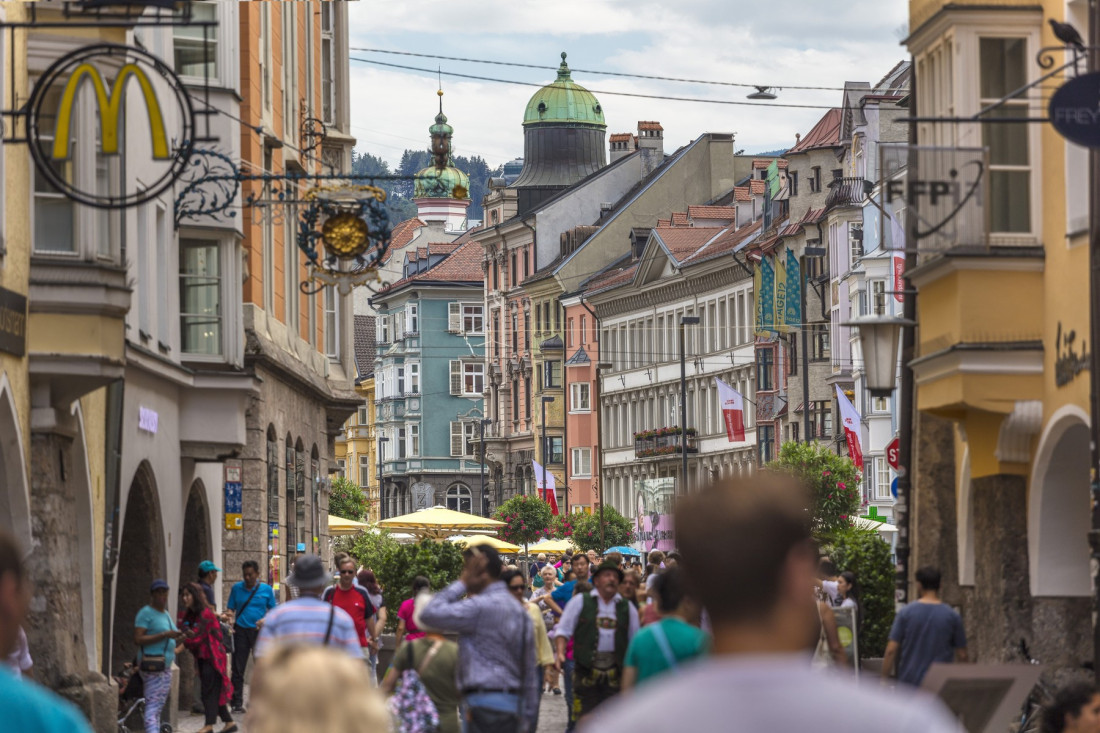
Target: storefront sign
{"x":1074,"y":110}
{"x":1068,"y":362}
{"x":653,"y":529}
{"x":233,"y":505}
{"x":943,"y":187}
{"x":13,"y":322}
{"x":148,"y":420}
{"x":55,"y":126}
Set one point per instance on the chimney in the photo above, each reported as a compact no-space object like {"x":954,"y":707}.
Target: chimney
{"x":797,"y":138}
{"x":622,"y":145}
{"x":651,"y":136}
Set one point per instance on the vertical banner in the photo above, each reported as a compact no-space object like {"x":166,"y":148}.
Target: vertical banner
{"x":547,"y":486}
{"x":793,"y":317}
{"x":852,"y":427}
{"x":757,"y":309}
{"x":733,"y":411}
{"x":898,"y":268}
{"x":765,"y":297}
{"x":234,"y":501}
{"x":780,"y":295}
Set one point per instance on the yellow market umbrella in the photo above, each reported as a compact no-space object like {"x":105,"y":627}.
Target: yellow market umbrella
{"x":438,"y":522}
{"x":499,"y":545}
{"x":338,"y":526}
{"x":552,"y":546}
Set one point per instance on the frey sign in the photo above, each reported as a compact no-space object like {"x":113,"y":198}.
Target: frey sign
{"x":943,"y":187}
{"x":1074,"y":110}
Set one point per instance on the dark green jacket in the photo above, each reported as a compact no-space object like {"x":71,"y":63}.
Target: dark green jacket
{"x":587,"y":635}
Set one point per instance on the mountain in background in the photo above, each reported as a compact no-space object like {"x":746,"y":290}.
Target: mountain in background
{"x":399,"y":193}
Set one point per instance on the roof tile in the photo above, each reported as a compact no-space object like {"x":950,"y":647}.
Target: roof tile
{"x":825,"y":134}
{"x":649,"y":125}
{"x":757,"y":186}
{"x":723,"y":213}
{"x":762,"y":163}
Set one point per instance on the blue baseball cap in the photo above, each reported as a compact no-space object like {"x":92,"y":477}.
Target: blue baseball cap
{"x":206,"y":566}
{"x":158,"y":584}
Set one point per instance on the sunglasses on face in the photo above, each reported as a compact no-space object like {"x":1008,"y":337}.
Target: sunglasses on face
{"x":347,"y":572}
{"x":514,"y":588}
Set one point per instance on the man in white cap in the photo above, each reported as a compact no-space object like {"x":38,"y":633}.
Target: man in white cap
{"x":307,"y":619}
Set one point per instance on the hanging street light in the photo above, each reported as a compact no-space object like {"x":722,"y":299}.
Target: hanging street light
{"x":762,"y":93}
{"x":879,"y":337}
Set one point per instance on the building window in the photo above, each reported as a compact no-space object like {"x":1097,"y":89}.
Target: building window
{"x":328,"y":63}
{"x":882,"y":479}
{"x":569,"y":331}
{"x":765,"y":363}
{"x":412,"y":318}
{"x":400,"y":381}
{"x":792,"y":352}
{"x":465,"y":318}
{"x":290,"y":69}
{"x":401,"y":447}
{"x":383,"y":326}
{"x":268,"y":235}
{"x":1003,"y":70}
{"x":362,"y":416}
{"x":526,"y":263}
{"x":580,"y":397}
{"x":196,"y":48}
{"x":880,"y":404}
{"x":272,"y":477}
{"x":467,"y":378}
{"x":855,"y":245}
{"x":557,"y":454}
{"x":551,"y":374}
{"x":815,"y":179}
{"x":340,"y":467}
{"x":332,"y":323}
{"x":582,"y":462}
{"x":462,"y":438}
{"x":878,"y":297}
{"x":821,"y":419}
{"x":200,"y":297}
{"x":515,"y":332}
{"x":766,"y":442}
{"x":413,"y":373}
{"x":364,"y":471}
{"x":459,"y":499}
{"x":300,"y":499}
{"x":265,"y":56}
{"x":515,"y":399}
{"x":527,"y":397}
{"x":515,"y":271}
{"x":792,"y":180}
{"x":414,"y":439}
{"x":54,"y":214}
{"x":819,"y":342}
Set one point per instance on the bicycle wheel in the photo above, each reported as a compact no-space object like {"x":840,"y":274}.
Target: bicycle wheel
{"x":165,"y":728}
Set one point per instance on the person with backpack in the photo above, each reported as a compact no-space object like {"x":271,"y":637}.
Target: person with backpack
{"x":667,"y":644}
{"x":423,"y":675}
{"x":249,"y":601}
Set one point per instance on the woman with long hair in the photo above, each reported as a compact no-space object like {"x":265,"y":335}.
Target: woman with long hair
{"x":204,"y":640}
{"x":1074,"y":709}
{"x":369,"y":581}
{"x":406,"y":627}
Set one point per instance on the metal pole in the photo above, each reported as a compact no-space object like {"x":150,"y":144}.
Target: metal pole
{"x":481,"y":422}
{"x":683,"y":413}
{"x":906,"y":410}
{"x":805,"y":354}
{"x":543,"y":442}
{"x":596,"y":483}
{"x":1094,"y":329}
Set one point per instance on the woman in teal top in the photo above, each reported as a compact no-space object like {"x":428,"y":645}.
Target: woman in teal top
{"x":155,"y":633}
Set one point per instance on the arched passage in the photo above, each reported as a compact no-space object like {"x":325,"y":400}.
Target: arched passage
{"x":140,"y":561}
{"x":15,"y":508}
{"x":1058,"y":508}
{"x":196,"y":534}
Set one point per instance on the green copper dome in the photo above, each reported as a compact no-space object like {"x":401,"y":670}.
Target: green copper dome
{"x":446,"y":183}
{"x":564,"y":102}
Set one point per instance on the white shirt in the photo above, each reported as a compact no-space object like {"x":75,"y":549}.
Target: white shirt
{"x":746,"y":694}
{"x":831,"y":590}
{"x":19,"y":661}
{"x":606,"y":640}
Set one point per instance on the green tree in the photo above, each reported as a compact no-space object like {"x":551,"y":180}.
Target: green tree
{"x":396,"y":565}
{"x":526,"y":519}
{"x":617,"y":530}
{"x":832,"y":480}
{"x":865,"y":553}
{"x":347,"y":500}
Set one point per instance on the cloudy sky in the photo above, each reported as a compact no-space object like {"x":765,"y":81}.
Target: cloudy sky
{"x":776,"y":43}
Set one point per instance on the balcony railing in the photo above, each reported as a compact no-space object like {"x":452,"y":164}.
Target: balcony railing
{"x":664,"y":442}
{"x":845,"y":192}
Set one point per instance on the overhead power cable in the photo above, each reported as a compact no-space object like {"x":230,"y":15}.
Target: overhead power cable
{"x":652,"y":77}
{"x":664,"y":97}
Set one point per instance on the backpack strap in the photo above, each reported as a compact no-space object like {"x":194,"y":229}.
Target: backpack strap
{"x":331,"y":617}
{"x":427,"y":658}
{"x":666,"y":648}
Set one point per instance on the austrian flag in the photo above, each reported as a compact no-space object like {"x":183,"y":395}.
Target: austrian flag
{"x":733,"y":411}
{"x":850,"y":418}
{"x":547,"y":486}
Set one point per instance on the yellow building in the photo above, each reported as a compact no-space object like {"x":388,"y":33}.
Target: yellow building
{"x":1001,"y":451}
{"x":356,"y":447}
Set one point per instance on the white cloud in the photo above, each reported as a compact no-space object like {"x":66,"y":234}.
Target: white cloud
{"x":794,"y":42}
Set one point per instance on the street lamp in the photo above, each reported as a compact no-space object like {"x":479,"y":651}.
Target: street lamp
{"x":603,"y":366}
{"x":381,"y":487}
{"x":484,"y":503}
{"x":879,"y":337}
{"x":762,"y":93}
{"x":684,"y":321}
{"x":545,"y":445}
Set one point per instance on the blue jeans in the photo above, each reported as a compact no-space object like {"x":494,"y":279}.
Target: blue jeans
{"x":567,"y":672}
{"x":490,"y":712}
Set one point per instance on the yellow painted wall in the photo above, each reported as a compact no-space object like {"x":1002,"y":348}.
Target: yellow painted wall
{"x":921,"y":11}
{"x":351,"y":449}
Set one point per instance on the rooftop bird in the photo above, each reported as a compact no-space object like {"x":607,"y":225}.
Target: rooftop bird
{"x":1067,"y":34}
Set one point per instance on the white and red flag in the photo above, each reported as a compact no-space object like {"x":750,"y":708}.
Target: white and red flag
{"x":547,"y":486}
{"x":733,"y":411}
{"x":850,"y":419}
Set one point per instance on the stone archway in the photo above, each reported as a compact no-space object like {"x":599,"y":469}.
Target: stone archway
{"x":1058,"y":508}
{"x":196,"y":547}
{"x":15,"y":507}
{"x":140,"y":561}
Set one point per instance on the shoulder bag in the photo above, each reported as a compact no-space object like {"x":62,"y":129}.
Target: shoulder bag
{"x":156,"y":662}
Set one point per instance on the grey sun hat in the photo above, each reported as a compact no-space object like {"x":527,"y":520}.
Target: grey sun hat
{"x":308,"y":573}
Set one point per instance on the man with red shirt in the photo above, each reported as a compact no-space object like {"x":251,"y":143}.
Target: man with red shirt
{"x":355,"y":601}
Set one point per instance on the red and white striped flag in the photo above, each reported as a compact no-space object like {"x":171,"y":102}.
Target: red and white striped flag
{"x":547,"y":486}
{"x":733,"y":411}
{"x":852,"y":428}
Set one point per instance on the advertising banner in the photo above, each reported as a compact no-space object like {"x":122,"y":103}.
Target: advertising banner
{"x":653,"y":529}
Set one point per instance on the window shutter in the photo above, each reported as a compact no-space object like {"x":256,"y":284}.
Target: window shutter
{"x":456,"y":376}
{"x":454,"y":318}
{"x":457,"y":438}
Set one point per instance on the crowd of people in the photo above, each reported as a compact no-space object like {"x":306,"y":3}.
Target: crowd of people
{"x":689,"y":639}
